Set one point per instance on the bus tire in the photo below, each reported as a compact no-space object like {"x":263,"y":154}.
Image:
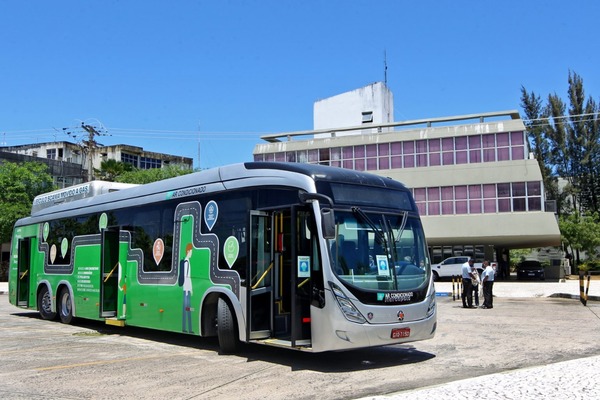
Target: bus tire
{"x":44,"y":303}
{"x":65,"y":306}
{"x":226,"y":328}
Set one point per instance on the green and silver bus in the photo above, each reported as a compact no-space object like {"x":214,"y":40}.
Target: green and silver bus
{"x":300,"y":256}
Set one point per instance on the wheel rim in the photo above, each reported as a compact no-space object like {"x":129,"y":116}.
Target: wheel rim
{"x":65,"y":304}
{"x":46,"y":303}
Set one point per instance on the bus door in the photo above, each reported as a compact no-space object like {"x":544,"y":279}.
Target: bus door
{"x":260,"y":288}
{"x":305,"y":274}
{"x":23,"y":266}
{"x":109,"y":289}
{"x":294,"y":265}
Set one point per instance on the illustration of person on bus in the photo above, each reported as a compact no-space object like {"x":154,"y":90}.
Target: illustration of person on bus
{"x":186,"y":282}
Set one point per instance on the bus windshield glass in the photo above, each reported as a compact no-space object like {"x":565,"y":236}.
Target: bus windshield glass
{"x":376,"y":251}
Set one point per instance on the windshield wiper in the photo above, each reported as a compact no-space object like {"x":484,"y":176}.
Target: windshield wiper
{"x":367,"y":219}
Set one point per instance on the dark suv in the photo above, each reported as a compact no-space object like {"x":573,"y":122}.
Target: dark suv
{"x":530,"y":269}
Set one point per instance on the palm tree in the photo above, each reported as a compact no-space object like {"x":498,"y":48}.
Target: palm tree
{"x":111,"y":169}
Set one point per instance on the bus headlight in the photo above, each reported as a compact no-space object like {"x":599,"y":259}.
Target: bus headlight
{"x":431,"y":307}
{"x":348,"y":309}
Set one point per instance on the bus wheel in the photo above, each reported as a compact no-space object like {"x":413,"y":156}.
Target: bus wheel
{"x":226,"y":328}
{"x":44,"y":303}
{"x":65,"y":306}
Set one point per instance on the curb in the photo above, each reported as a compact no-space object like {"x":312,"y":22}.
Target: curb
{"x":559,"y":295}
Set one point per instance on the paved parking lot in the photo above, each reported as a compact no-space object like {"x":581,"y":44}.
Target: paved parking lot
{"x":42,"y":359}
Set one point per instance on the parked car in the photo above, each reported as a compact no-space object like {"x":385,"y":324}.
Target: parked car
{"x":530,"y":269}
{"x":452,"y":266}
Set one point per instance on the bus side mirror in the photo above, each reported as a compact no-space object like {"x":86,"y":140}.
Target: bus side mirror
{"x":328,"y":223}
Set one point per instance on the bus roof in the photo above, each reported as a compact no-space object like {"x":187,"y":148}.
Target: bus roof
{"x":214,"y":179}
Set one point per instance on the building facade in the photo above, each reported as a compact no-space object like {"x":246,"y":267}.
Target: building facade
{"x":478,"y":189}
{"x":72,"y":164}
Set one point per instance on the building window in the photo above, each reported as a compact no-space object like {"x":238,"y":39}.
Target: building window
{"x":396,"y":150}
{"x":149,"y":163}
{"x":461,"y":154}
{"x":433,"y":201}
{"x":457,"y":150}
{"x":447,"y":200}
{"x":475,"y":196}
{"x":489,"y":147}
{"x":367,"y":117}
{"x":503,"y":146}
{"x":51,"y":154}
{"x":478,"y":199}
{"x":448,"y":151}
{"x":421,"y":157}
{"x":359,"y":158}
{"x":348,"y":157}
{"x":435,"y":157}
{"x":475,"y":149}
{"x":408,"y":149}
{"x":517,"y":145}
{"x":336,"y":157}
{"x":460,"y":194}
{"x":324,"y":157}
{"x":489,"y":198}
{"x":384,"y":156}
{"x":129,"y":159}
{"x":302,"y":156}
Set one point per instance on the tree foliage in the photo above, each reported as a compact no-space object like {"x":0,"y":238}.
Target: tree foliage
{"x":111,"y":169}
{"x":20,"y":184}
{"x":565,"y":138}
{"x":141,"y":176}
{"x":581,"y":233}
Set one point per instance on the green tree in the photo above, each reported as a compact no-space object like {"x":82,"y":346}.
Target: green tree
{"x":581,"y":233}
{"x":111,"y":169}
{"x":566,"y":141}
{"x":141,"y":176}
{"x":535,"y":117}
{"x":20,"y":184}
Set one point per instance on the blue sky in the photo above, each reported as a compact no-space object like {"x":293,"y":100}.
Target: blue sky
{"x":206,"y":79}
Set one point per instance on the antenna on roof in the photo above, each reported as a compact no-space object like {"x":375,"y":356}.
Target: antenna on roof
{"x":385,"y":67}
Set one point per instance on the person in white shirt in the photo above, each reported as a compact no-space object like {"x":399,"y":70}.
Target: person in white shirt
{"x":487,"y":277}
{"x":476,"y":283}
{"x":467,"y":276}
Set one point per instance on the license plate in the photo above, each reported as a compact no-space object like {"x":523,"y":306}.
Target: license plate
{"x":398,"y":333}
{"x":531,"y":274}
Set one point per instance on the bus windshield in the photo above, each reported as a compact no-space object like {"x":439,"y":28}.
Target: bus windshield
{"x":379,"y":251}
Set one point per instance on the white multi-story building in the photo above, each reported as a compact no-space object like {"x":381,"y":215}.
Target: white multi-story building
{"x":478,"y":189}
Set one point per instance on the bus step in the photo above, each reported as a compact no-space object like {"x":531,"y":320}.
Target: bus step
{"x":115,"y":322}
{"x":304,"y":345}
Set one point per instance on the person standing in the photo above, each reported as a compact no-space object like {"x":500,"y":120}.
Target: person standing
{"x":467,"y":276}
{"x":476,"y":284}
{"x":487,"y":277}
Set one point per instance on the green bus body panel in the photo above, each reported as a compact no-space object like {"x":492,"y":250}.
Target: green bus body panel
{"x":158,"y":306}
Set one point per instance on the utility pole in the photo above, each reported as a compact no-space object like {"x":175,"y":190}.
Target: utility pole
{"x":88,"y":144}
